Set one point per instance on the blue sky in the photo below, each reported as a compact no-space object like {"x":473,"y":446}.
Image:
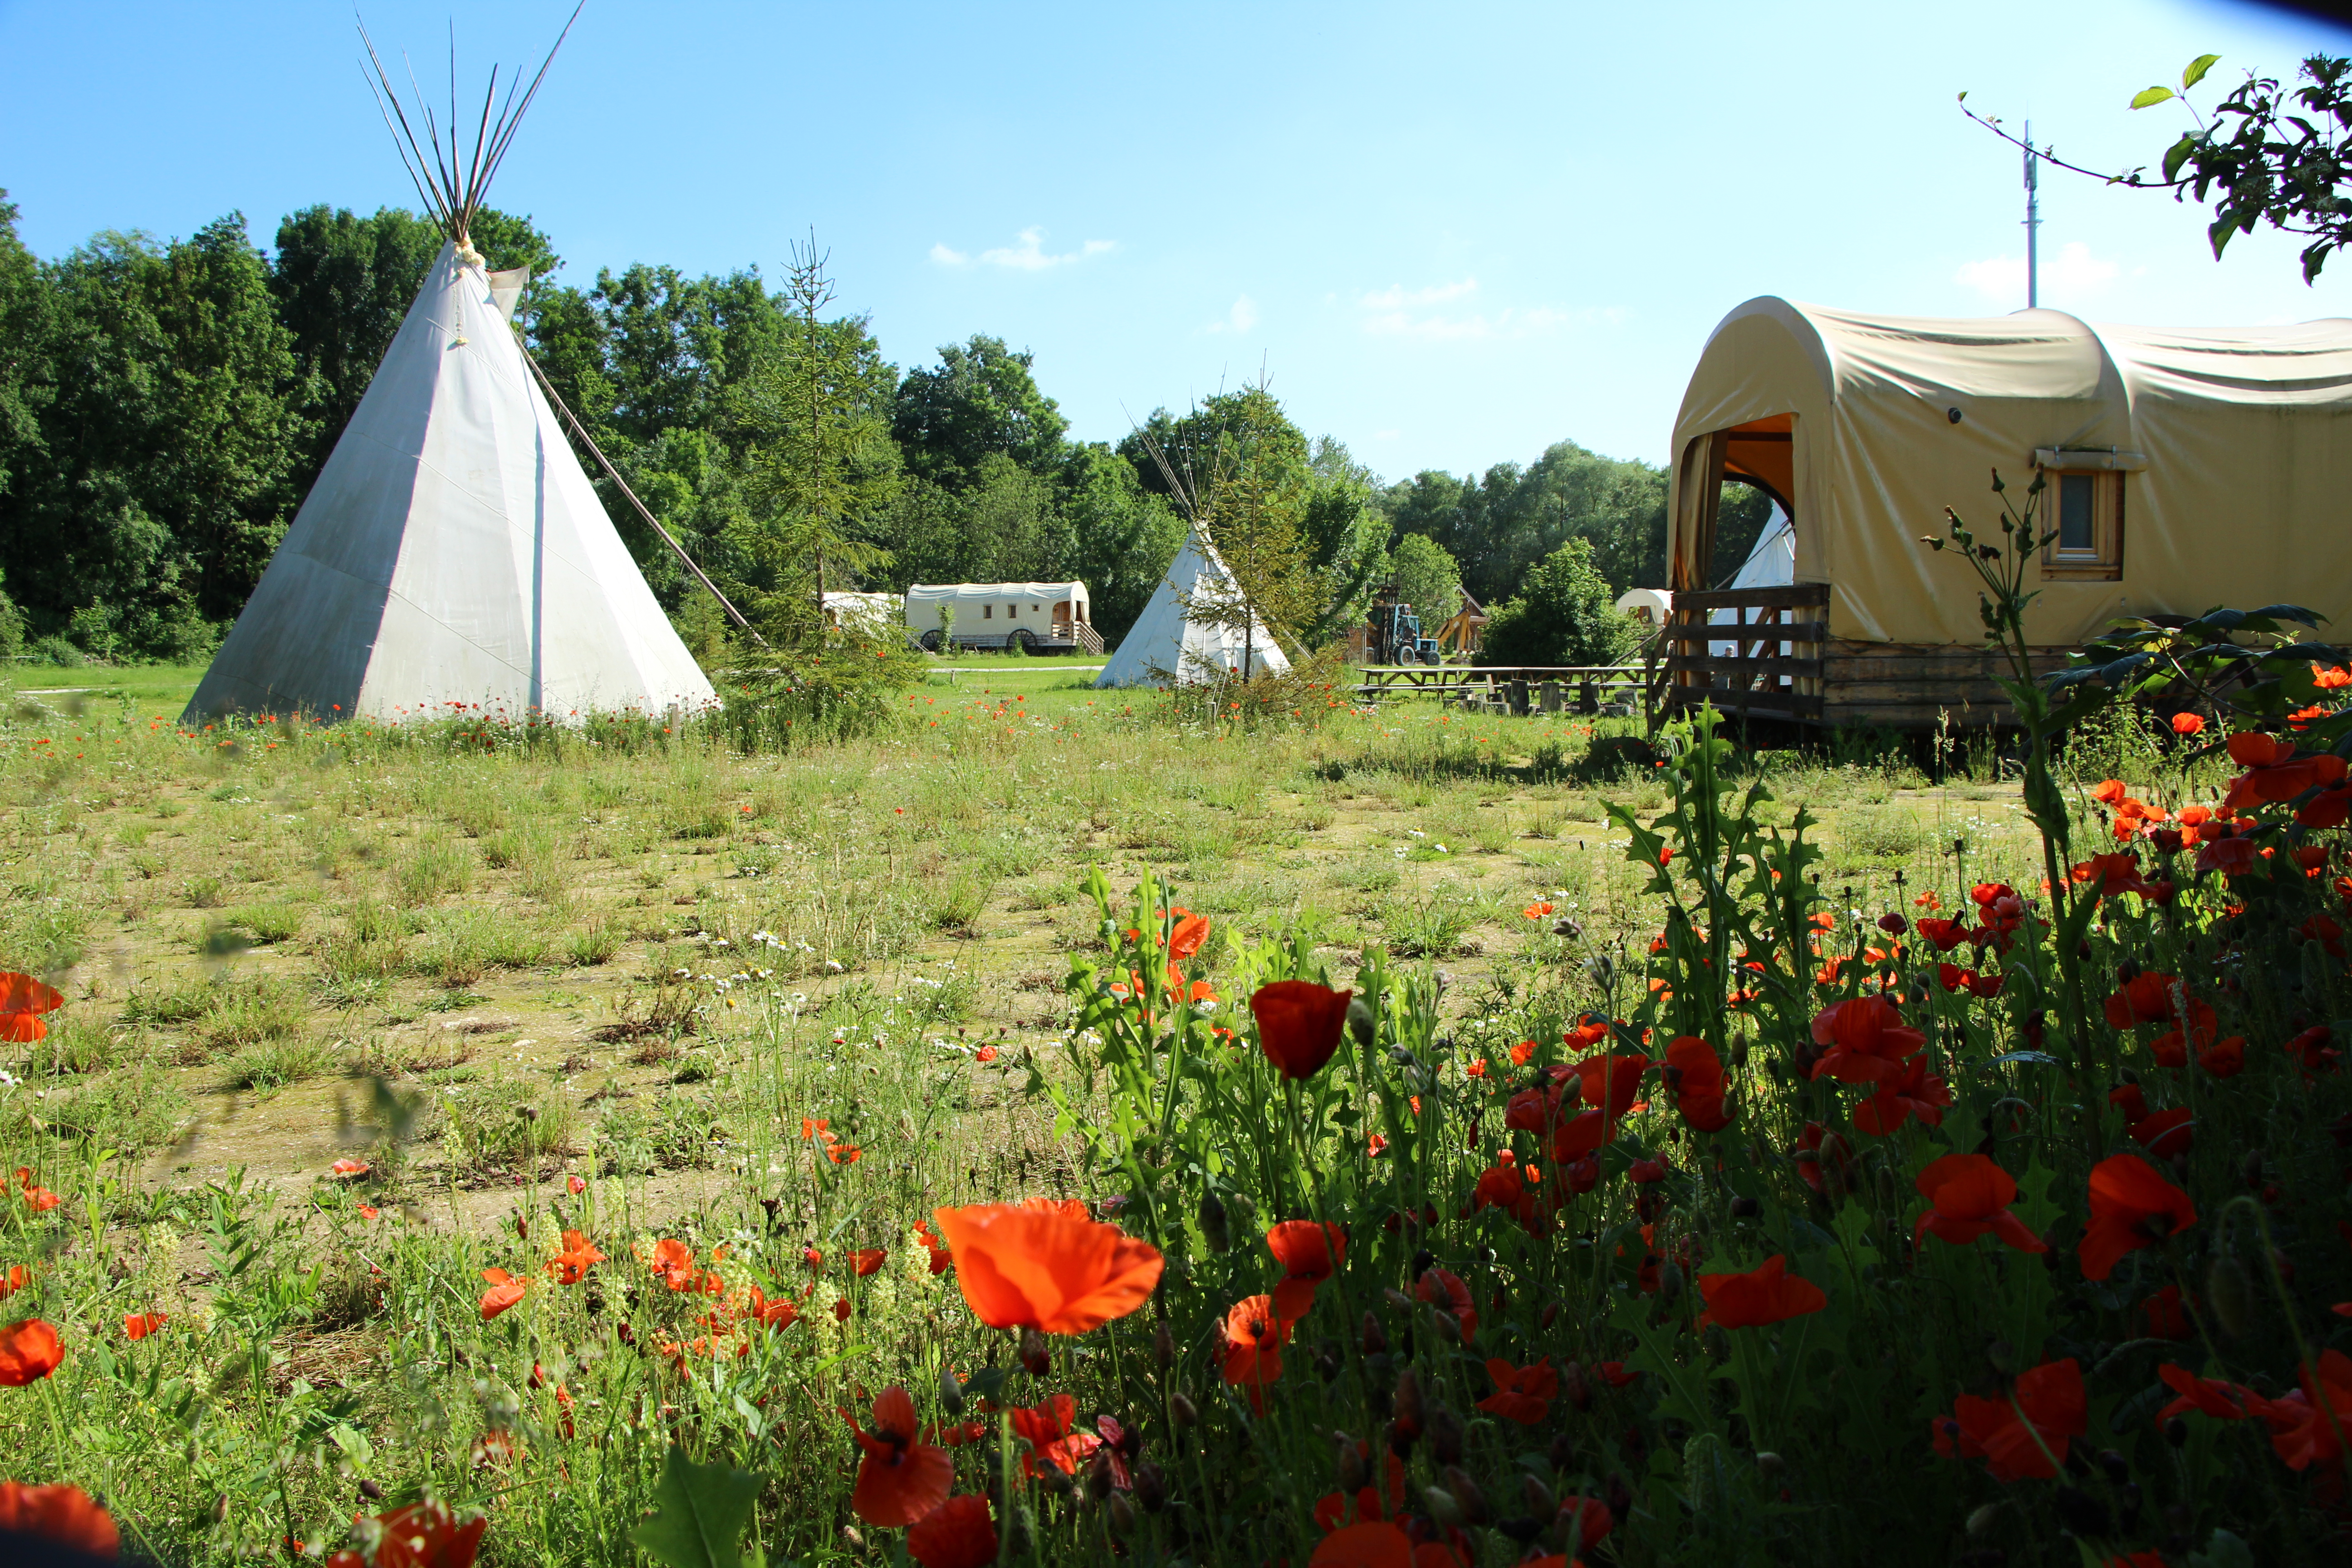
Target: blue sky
{"x":1448,"y":235}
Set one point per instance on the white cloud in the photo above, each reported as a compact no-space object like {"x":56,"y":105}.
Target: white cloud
{"x":1029,"y":256}
{"x":1239,"y":320}
{"x":1397,"y":312}
{"x":2074,"y":270}
{"x":1395,"y":297}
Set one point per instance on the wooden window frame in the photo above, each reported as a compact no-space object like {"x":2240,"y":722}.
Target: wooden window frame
{"x":2105,"y":562}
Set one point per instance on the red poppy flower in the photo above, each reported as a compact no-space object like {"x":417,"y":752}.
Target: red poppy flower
{"x":1045,"y":1426}
{"x":138,"y":1325}
{"x":2168,"y":1315}
{"x":1588,"y":1032}
{"x":1375,"y":1543}
{"x":65,"y":1514}
{"x":505,"y":1292}
{"x":347,"y":1170}
{"x":941,"y":1259}
{"x":1588,"y":1517}
{"x":572,"y":1265}
{"x":22,"y":1000}
{"x":1693,"y":1073}
{"x":1444,"y":1289}
{"x":868,"y":1260}
{"x":1187,"y":936}
{"x":13,"y":1281}
{"x":1945,"y":934}
{"x":1970,"y":1196}
{"x":2222,"y":1401}
{"x":1866,"y":1039}
{"x":1915,"y":1092}
{"x":2165,"y":1133}
{"x":422,"y":1535}
{"x":40,"y":1200}
{"x":30,"y":1350}
{"x":2306,"y":1425}
{"x":2188,"y":724}
{"x":2274,"y":771}
{"x":1610,"y":1083}
{"x":1250,"y":1345}
{"x":1037,"y":1265}
{"x":574,"y":1185}
{"x":2310,"y":1049}
{"x":2131,"y":1207}
{"x":1764,"y":1295}
{"x":1521,"y":1394}
{"x":1300,"y":1025}
{"x":902,"y":1477}
{"x":2045,"y":1409}
{"x":959,"y":1533}
{"x":1309,"y":1254}
{"x":781,"y":1314}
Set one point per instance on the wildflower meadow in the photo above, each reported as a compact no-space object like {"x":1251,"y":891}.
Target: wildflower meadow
{"x":1754,"y":1199}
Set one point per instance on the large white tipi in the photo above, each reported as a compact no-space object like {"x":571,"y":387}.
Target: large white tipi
{"x":452,"y":550}
{"x":1167,"y":645}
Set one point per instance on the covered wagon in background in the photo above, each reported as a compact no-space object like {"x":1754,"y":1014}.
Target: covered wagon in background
{"x":2187,"y":469}
{"x":1036,"y":617}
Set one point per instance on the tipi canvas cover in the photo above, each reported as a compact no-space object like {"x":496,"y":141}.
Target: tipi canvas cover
{"x":452,"y":550}
{"x":1163,"y":645}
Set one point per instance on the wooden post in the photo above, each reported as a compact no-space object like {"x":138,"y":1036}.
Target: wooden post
{"x":1551,"y":696}
{"x":1518,"y":699}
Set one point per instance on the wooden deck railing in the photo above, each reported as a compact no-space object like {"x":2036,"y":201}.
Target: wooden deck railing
{"x":1777,"y":642}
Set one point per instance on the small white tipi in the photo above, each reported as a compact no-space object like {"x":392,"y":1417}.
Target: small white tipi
{"x":452,"y":549}
{"x":1164,"y":644}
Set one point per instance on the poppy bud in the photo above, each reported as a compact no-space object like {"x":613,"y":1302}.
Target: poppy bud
{"x":1770,"y":1463}
{"x":1443,"y":1509}
{"x":1397,"y":1299}
{"x":1186,"y":1412}
{"x":2176,"y":1431}
{"x":1151,"y":1486}
{"x":1213,"y":1223}
{"x":220,"y":1509}
{"x":1122,"y":1515}
{"x":1422,"y":1263}
{"x":2117,"y":1468}
{"x":1055,"y":1481}
{"x":1561,"y":1455}
{"x":2001,"y":1357}
{"x":1409,"y":1412}
{"x":1352,"y":1475}
{"x":1536,"y":1496}
{"x":370,"y":1491}
{"x":1036,"y":1357}
{"x":1361,"y":1021}
{"x":1579,"y":1393}
{"x":1098,"y":1474}
{"x":1398,"y":1441}
{"x":1985,"y":1518}
{"x":1621,"y":1494}
{"x":2251,"y":1171}
{"x":1374,"y":1340}
{"x":852,"y":1539}
{"x":1465,"y":1492}
{"x":1670,"y":1284}
{"x":1329,"y":1362}
{"x":1448,"y":1328}
{"x":1549,"y":1316}
{"x":1446,"y":1434}
{"x":951,"y":1391}
{"x":2230,"y":1295}
{"x":1745,"y":1207}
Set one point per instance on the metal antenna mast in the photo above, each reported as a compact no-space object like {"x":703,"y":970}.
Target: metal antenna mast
{"x":2032,"y":224}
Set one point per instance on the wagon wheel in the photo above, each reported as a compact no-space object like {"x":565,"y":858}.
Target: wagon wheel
{"x":1023,"y":638}
{"x":932,"y":641}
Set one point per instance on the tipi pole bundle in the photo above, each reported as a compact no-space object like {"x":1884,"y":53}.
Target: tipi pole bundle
{"x":452,"y":186}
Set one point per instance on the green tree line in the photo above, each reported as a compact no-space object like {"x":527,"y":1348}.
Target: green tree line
{"x":164,"y":406}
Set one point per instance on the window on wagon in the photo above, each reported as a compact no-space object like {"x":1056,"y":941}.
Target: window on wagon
{"x":2082,"y":508}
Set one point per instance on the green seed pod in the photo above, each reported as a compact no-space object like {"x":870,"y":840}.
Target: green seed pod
{"x":951,"y":1391}
{"x":1361,"y":1022}
{"x":1442,"y":1507}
